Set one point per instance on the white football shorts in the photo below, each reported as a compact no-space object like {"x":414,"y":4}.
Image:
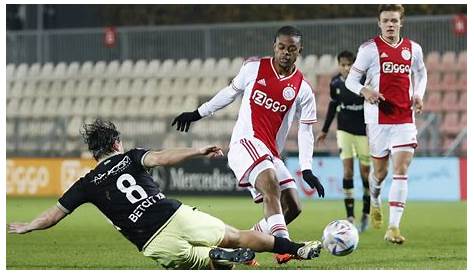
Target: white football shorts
{"x":385,"y":139}
{"x":248,"y":157}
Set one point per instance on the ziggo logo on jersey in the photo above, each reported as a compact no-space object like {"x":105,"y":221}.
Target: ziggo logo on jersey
{"x":390,"y":67}
{"x":260,"y":98}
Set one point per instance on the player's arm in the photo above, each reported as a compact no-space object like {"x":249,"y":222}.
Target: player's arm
{"x":45,"y":220}
{"x":173,"y":156}
{"x":358,"y":70}
{"x":222,"y":99}
{"x":420,"y":78}
{"x":331,"y":113}
{"x":306,"y":139}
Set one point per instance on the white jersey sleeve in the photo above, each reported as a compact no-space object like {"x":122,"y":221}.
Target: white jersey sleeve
{"x":225,"y":96}
{"x":420,"y":77}
{"x":359,"y":68}
{"x":307,"y":104}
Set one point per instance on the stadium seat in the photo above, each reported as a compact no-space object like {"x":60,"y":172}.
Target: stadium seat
{"x":42,"y":88}
{"x":433,"y":102}
{"x":123,"y":88}
{"x":223,"y":67}
{"x":153,"y":68}
{"x":34,"y":71}
{"x":51,"y":107}
{"x":463,"y":119}
{"x":192,"y":85}
{"x":137,"y":87}
{"x":69,"y":88}
{"x":99,"y":68}
{"x":78,"y":107}
{"x":206,"y":87}
{"x":126,"y":69}
{"x":105,"y":107}
{"x":309,"y":65}
{"x":30,"y":89}
{"x":81,"y":89}
{"x":434,"y":82}
{"x":131,"y":109}
{"x":151,"y":87}
{"x":165,"y":68}
{"x":10,"y":71}
{"x":47,"y":70}
{"x":109,"y":88}
{"x":433,"y":61}
{"x":59,"y":71}
{"x":323,"y":82}
{"x":461,"y":64}
{"x":12,"y":108}
{"x":180,"y":69}
{"x":112,"y":69}
{"x":139,"y":69}
{"x":178,"y":86}
{"x":92,"y":106}
{"x":118,"y":109}
{"x":450,"y":102}
{"x":165,"y":86}
{"x":449,"y":82}
{"x":38,"y":106}
{"x":462,"y":102}
{"x":72,"y":129}
{"x":148,"y":106}
{"x":448,"y":61}
{"x":208,"y":68}
{"x":462,"y":82}
{"x":72,"y":70}
{"x":86,"y":69}
{"x":16,"y":89}
{"x":237,"y":63}
{"x":327,"y":65}
{"x":94,"y":88}
{"x":56,"y":89}
{"x":64,"y":107}
{"x":194,"y":68}
{"x":450,"y":125}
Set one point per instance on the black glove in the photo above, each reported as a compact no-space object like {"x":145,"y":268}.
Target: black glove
{"x":313,"y":182}
{"x":185,"y":119}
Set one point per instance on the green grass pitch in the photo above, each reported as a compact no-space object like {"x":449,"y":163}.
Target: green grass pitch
{"x":436,"y":235}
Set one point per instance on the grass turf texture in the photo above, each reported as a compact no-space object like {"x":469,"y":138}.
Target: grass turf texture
{"x":436,"y":235}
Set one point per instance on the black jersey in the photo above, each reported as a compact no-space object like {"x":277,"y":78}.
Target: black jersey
{"x":349,"y":107}
{"x":123,"y":190}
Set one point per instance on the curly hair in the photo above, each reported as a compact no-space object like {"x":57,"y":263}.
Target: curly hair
{"x":100,"y":137}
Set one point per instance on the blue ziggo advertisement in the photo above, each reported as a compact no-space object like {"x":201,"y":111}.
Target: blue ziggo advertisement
{"x":429,"y":178}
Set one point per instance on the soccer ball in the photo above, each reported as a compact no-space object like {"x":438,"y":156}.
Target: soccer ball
{"x":340,"y":238}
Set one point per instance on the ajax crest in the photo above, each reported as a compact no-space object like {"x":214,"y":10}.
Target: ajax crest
{"x":406,"y":54}
{"x":289,"y":93}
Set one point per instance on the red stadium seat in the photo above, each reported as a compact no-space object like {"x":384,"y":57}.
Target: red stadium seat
{"x":463,"y":119}
{"x":450,"y":125}
{"x":461,"y":64}
{"x":433,"y":61}
{"x":323,"y":83}
{"x":433,"y":102}
{"x":462,"y":102}
{"x":434,"y":82}
{"x":450,"y":102}
{"x":449,"y":82}
{"x":448,"y":61}
{"x":462,"y":82}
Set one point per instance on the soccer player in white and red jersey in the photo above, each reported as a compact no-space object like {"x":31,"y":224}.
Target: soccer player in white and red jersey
{"x":274,"y":93}
{"x":393,"y":92}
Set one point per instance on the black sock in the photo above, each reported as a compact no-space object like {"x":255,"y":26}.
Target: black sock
{"x":349,"y":203}
{"x":283,"y":246}
{"x":366,"y":206}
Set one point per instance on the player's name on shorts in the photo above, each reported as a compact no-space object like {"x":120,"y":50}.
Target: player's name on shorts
{"x":141,"y":208}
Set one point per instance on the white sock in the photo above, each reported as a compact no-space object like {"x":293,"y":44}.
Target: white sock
{"x":261,"y":226}
{"x":375,"y":188}
{"x":397,"y":199}
{"x":277,"y":226}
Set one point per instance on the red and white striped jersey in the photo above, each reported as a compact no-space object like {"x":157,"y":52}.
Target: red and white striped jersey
{"x":396,"y":71}
{"x":270,"y":102}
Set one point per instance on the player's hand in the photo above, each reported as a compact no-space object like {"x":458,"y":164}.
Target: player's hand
{"x":313,"y":182}
{"x":211,"y":151}
{"x":372,"y":96}
{"x":18,"y":228}
{"x":185,"y":119}
{"x":321,"y":137}
{"x":418,"y":104}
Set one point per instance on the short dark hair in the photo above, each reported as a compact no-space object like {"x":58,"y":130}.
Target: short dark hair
{"x":290,"y":31}
{"x":346,"y":54}
{"x":100,"y":136}
{"x":392,"y":7}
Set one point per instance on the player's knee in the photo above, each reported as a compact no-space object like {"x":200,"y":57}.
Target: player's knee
{"x":268,"y":184}
{"x":231,"y":237}
{"x":380,"y":174}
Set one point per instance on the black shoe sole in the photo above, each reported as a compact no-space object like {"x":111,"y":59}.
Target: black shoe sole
{"x":239,"y":255}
